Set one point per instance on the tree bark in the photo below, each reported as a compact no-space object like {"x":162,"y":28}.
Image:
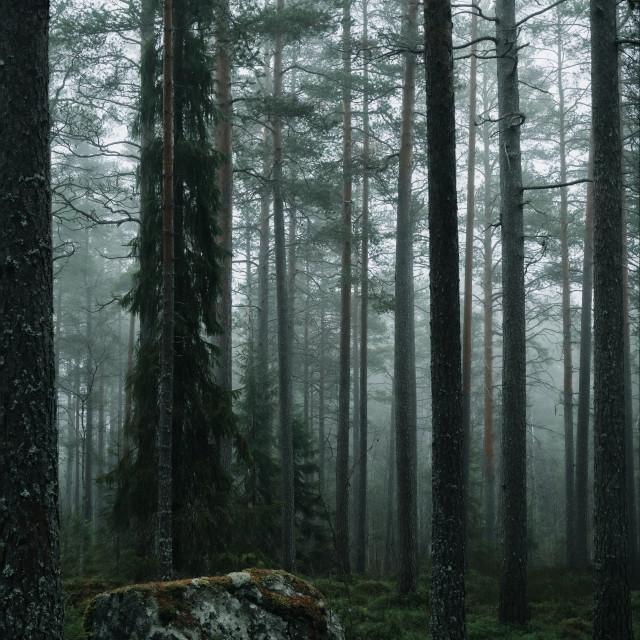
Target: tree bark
{"x":30,"y":593}
{"x":362,"y":420}
{"x":101,"y":451}
{"x":634,"y":558}
{"x":390,"y":533}
{"x":90,"y":373}
{"x":514,"y":605}
{"x":355,"y":434}
{"x":322,"y":463}
{"x":342,"y":452}
{"x":284,"y":339}
{"x":225,"y":212}
{"x":468,"y":272}
{"x":488,"y":444}
{"x":584,"y":382}
{"x":612,"y":607}
{"x":164,"y":528}
{"x":447,"y":547}
{"x":71,"y":451}
{"x":127,"y":393}
{"x":147,"y":136}
{"x":263,"y":276}
{"x":566,"y":317}
{"x":405,"y":368}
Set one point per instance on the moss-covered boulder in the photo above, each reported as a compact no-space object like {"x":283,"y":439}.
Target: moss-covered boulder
{"x":254,"y":604}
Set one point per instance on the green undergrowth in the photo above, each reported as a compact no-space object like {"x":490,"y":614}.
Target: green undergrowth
{"x":561,"y":608}
{"x":370,"y":609}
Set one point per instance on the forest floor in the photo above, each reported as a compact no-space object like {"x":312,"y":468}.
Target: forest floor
{"x":370,"y":609}
{"x":561,"y":607}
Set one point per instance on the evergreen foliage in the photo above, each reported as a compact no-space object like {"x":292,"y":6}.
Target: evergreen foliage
{"x":202,"y":414}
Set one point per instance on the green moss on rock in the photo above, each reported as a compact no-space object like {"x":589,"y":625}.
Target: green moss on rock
{"x":253,"y":604}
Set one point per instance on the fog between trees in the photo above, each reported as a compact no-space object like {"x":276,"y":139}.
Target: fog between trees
{"x":327,"y":415}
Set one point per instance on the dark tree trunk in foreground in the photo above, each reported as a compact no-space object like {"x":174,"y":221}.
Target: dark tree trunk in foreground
{"x":612,"y":607}
{"x":342,"y":452}
{"x":164,"y":531}
{"x":447,"y":547}
{"x":30,"y":593}
{"x":405,"y":356}
{"x":584,"y":383}
{"x":514,"y":605}
{"x":284,"y":343}
{"x":634,"y":569}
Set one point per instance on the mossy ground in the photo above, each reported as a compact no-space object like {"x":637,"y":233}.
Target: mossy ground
{"x":370,"y":609}
{"x":561,"y":608}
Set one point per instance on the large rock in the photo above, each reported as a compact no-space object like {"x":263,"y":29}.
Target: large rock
{"x":254,"y":604}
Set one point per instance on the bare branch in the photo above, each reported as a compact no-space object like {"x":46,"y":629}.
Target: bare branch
{"x":481,"y":39}
{"x":477,"y":9}
{"x":554,"y":186}
{"x":537,"y":13}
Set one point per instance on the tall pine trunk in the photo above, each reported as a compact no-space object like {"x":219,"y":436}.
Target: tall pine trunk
{"x":164,"y":527}
{"x":514,"y":605}
{"x":468,"y":268}
{"x":390,"y":563}
{"x":405,"y":357}
{"x":612,"y":607}
{"x":566,"y":316}
{"x":355,"y":433}
{"x":264,"y":426}
{"x":225,"y":212}
{"x":90,"y":373}
{"x":322,"y":458}
{"x":488,"y":466}
{"x":342,"y":452}
{"x":30,"y":593}
{"x":634,"y":560}
{"x":447,"y":547}
{"x":584,"y":382}
{"x":101,"y":451}
{"x":360,"y":537}
{"x":284,"y":339}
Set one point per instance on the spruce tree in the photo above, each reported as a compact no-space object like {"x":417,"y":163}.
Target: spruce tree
{"x":201,"y":408}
